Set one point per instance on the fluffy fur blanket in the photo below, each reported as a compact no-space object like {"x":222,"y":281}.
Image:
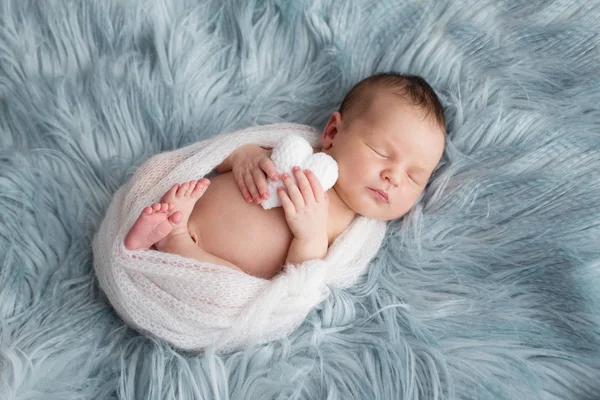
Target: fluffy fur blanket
{"x":488,"y":289}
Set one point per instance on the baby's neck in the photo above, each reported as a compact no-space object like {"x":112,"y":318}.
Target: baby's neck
{"x":340,"y":215}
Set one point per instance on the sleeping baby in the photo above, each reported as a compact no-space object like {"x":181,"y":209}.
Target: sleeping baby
{"x":387,"y":138}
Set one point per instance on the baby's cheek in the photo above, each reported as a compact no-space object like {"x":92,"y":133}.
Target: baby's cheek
{"x":355,"y":169}
{"x":405,"y":205}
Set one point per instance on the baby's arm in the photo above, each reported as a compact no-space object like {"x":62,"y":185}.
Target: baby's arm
{"x":226,"y":165}
{"x":304,"y":250}
{"x":306,"y":207}
{"x":248,"y":149}
{"x":249,"y":164}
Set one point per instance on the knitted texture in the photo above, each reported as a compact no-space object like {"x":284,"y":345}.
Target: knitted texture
{"x":294,"y":150}
{"x":193,"y":304}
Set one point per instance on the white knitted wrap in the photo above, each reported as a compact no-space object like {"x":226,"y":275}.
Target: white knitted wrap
{"x":193,"y":304}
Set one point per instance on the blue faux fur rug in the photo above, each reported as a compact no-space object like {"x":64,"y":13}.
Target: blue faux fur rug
{"x":489,"y":289}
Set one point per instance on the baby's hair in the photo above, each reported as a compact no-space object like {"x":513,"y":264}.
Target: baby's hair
{"x":412,"y":88}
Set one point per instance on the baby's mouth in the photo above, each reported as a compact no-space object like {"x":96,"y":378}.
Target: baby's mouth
{"x":380,"y":195}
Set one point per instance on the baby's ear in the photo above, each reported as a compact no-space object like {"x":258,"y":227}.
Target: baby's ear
{"x":334,"y":125}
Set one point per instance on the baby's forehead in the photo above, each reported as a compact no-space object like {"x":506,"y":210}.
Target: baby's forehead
{"x":409,"y":127}
{"x":399,"y":112}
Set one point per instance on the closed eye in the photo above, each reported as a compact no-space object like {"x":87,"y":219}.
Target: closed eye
{"x":416,"y":181}
{"x":376,"y":152}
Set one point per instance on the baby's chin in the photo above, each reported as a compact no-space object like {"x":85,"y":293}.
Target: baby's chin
{"x":375,"y":211}
{"x":385,"y":218}
{"x":379,"y":212}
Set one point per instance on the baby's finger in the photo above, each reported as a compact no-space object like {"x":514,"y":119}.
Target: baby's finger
{"x":286,"y":202}
{"x":317,"y":189}
{"x":267,"y":165}
{"x":239,"y":178}
{"x":304,"y":185}
{"x":293,"y":191}
{"x":261,"y":183}
{"x":251,"y":186}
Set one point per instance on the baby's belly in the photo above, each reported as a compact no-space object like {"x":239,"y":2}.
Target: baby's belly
{"x":254,"y":239}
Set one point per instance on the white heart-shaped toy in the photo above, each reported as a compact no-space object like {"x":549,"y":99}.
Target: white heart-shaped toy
{"x":294,"y":150}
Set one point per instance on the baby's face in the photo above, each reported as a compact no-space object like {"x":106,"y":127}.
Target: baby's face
{"x":391,"y":148}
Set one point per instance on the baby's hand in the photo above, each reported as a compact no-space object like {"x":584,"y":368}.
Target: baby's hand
{"x":249,"y":166}
{"x":306,"y":205}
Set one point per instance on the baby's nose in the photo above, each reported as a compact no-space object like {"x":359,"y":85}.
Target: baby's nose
{"x":393,"y":177}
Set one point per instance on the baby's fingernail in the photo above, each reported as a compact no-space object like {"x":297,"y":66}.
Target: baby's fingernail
{"x":265,"y":195}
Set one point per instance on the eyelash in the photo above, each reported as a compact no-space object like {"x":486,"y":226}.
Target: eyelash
{"x":382,"y":156}
{"x":378,"y":153}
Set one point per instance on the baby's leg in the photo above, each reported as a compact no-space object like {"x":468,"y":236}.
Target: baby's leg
{"x":183,"y":245}
{"x":167,"y":218}
{"x":179,"y":241}
{"x":154,"y":223}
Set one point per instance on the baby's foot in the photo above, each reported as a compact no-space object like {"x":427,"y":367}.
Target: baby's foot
{"x":153,"y":224}
{"x":184,"y":197}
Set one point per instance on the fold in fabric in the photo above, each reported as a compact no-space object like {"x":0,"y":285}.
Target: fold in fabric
{"x":193,"y":305}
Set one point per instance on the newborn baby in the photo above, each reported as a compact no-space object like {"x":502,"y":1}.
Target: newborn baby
{"x":387,"y":138}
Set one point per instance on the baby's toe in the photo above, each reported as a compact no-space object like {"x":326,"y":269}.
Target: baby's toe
{"x":176,"y":217}
{"x":173,"y":190}
{"x":200,"y":188}
{"x":191,"y":188}
{"x":183,"y":189}
{"x":170,"y":195}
